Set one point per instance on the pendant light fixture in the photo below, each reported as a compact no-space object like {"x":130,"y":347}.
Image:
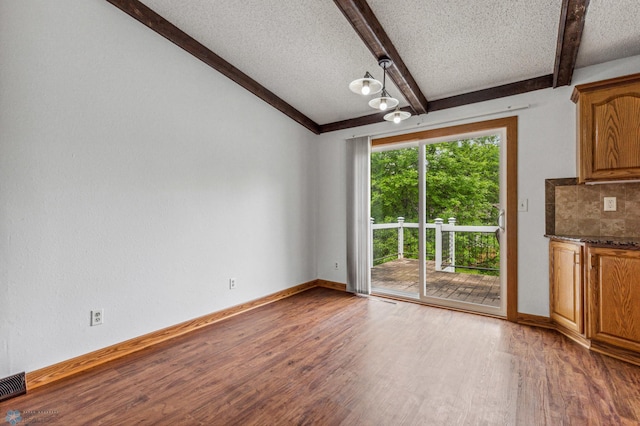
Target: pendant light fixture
{"x":366,"y":85}
{"x":397,"y":116}
{"x":385,"y":101}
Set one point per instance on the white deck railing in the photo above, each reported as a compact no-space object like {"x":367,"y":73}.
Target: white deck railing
{"x":440,"y":227}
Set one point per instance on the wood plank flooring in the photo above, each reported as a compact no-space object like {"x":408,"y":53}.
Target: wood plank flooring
{"x":327,"y":357}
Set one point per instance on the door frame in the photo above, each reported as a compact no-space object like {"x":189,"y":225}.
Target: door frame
{"x":510,"y":127}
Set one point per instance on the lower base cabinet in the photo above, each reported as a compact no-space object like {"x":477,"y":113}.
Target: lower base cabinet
{"x":566,"y":285}
{"x":614,"y":297}
{"x":594,"y":297}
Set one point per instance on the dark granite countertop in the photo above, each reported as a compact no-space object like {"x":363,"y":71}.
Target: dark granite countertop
{"x":615,"y":242}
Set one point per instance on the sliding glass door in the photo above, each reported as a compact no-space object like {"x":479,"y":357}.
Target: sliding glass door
{"x":438,"y":220}
{"x":395,"y":199}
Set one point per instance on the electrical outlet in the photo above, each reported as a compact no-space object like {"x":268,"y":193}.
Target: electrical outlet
{"x":232,"y":283}
{"x":336,"y":266}
{"x":97,"y":317}
{"x":610,"y":204}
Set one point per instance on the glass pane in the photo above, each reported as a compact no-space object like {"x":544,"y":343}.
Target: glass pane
{"x":463,"y":190}
{"x":394,"y":209}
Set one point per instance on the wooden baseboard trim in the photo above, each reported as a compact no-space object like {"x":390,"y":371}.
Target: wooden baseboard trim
{"x":609,"y":350}
{"x":93,"y":359}
{"x":332,"y":284}
{"x":575,"y":336}
{"x":546,"y":322}
{"x":614,"y":352}
{"x":535,"y":321}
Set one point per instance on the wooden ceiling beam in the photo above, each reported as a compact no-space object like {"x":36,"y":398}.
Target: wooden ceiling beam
{"x":160,"y":25}
{"x":356,"y":122}
{"x":569,"y":36}
{"x":363,"y":20}
{"x":524,"y":86}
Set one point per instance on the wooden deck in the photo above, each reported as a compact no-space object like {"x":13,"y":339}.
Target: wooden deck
{"x":402,"y":275}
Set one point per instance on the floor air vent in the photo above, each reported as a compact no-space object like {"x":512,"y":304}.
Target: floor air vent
{"x":13,"y":386}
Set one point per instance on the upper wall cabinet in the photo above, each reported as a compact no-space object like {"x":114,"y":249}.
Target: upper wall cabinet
{"x":608,"y":129}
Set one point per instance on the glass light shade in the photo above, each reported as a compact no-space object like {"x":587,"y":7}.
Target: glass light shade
{"x":366,"y":85}
{"x":383,"y":102}
{"x":397,"y":116}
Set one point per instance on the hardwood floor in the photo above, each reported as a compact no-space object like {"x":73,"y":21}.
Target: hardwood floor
{"x":328,"y":357}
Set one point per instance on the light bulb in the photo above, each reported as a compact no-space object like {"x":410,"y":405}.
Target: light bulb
{"x":383,"y":104}
{"x":365,"y":88}
{"x":396,"y":118}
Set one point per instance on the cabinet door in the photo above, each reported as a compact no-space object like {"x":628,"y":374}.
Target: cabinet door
{"x":614,"y":297}
{"x":609,"y":133}
{"x":566,"y":295}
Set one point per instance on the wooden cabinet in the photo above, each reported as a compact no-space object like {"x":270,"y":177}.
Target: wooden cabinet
{"x":608,"y":114}
{"x":594,"y":296}
{"x":566,"y":285}
{"x":614,"y":297}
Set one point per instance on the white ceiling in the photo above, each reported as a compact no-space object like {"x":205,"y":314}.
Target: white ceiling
{"x":455,"y":47}
{"x":306,"y":52}
{"x":611,"y":31}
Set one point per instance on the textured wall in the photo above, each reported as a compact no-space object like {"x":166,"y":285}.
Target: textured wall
{"x":136,"y":179}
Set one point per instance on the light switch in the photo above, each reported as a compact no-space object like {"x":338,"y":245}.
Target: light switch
{"x":523,"y":204}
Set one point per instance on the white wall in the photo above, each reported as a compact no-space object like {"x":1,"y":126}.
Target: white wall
{"x":136,"y":179}
{"x":546,"y":149}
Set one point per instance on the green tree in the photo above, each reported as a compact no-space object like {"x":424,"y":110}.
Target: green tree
{"x":394,"y":185}
{"x":462,"y":181}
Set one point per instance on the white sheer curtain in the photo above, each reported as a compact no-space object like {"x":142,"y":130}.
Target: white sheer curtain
{"x":358,"y":215}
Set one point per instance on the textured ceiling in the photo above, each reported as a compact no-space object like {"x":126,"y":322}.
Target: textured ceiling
{"x":611,"y":31}
{"x":454,"y":47}
{"x":306,"y":51}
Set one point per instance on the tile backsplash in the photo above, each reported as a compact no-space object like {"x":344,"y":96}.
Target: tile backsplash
{"x":578,"y":209}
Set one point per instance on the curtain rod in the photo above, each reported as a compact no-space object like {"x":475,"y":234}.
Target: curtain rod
{"x":437,"y":123}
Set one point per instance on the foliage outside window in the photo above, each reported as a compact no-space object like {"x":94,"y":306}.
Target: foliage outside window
{"x":462,"y":181}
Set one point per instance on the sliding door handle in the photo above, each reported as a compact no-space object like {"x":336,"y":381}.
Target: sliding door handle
{"x":501,"y":220}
